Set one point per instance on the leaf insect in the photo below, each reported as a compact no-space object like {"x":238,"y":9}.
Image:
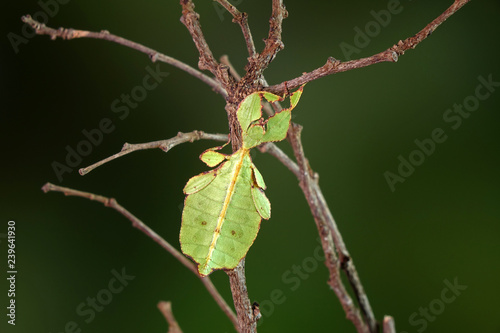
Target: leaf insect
{"x":223,"y":207}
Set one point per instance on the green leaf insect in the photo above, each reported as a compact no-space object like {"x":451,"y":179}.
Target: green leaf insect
{"x":224,"y":206}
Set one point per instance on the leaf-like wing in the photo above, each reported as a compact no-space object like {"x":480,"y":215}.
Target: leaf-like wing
{"x":262,"y":203}
{"x":259,"y":180}
{"x":212,"y":158}
{"x":220,"y":222}
{"x":199,"y":182}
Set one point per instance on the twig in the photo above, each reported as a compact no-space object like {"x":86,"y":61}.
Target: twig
{"x":166,"y":310}
{"x":164,"y":145}
{"x":273,"y":150}
{"x":257,"y":65}
{"x":206,"y":61}
{"x":389,"y":326}
{"x":63,"y":33}
{"x":242,"y":20}
{"x":347,"y":264}
{"x":244,"y":310}
{"x":334,"y":66}
{"x":328,"y":237}
{"x":327,"y":229}
{"x":136,"y":223}
{"x":225,"y":61}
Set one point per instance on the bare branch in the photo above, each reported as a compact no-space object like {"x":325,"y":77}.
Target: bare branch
{"x":258,"y":64}
{"x":164,"y":145}
{"x":166,"y":310}
{"x":389,"y":326}
{"x":154,"y":55}
{"x":246,"y":316}
{"x":225,"y":61}
{"x":242,"y":20}
{"x":308,"y":185}
{"x":206,"y":61}
{"x":334,"y":66}
{"x":136,"y":223}
{"x":273,"y":150}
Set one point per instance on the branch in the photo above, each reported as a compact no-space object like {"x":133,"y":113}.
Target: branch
{"x":246,"y":316}
{"x":389,"y":326}
{"x":136,"y":223}
{"x":166,"y":310}
{"x":328,"y":234}
{"x":206,"y":61}
{"x":258,"y":64}
{"x":63,"y":33}
{"x":242,"y":20}
{"x":334,"y":66}
{"x":164,"y":145}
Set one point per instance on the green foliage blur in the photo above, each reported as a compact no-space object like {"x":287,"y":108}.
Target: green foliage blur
{"x":412,"y":243}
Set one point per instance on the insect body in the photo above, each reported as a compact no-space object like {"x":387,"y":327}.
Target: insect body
{"x":224,"y":206}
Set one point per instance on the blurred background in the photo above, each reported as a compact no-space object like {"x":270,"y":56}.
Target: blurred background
{"x":410,"y":243}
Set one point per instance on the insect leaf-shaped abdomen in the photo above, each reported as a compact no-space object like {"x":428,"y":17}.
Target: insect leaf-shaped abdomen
{"x":220,"y":221}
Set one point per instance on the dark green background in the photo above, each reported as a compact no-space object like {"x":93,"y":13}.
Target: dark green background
{"x":442,"y":223}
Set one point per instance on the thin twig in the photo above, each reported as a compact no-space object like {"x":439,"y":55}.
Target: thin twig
{"x":307,"y":184}
{"x":334,"y":66}
{"x":191,"y":20}
{"x":166,"y":310}
{"x":136,"y":223}
{"x":164,"y":145}
{"x":242,"y":20}
{"x":324,"y":221}
{"x":273,"y":44}
{"x":63,"y":33}
{"x":273,"y":150}
{"x":389,"y":326}
{"x":225,"y":61}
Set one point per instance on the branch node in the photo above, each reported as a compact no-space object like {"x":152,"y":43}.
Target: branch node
{"x":256,"y":311}
{"x":154,"y":56}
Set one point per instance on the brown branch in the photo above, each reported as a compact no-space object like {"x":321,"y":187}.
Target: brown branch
{"x":242,"y":20}
{"x":334,"y":66}
{"x":273,"y":44}
{"x":308,"y":184}
{"x":389,"y":326}
{"x":63,"y":33}
{"x":225,"y":61}
{"x":136,"y":223}
{"x":246,"y":316}
{"x":191,"y":20}
{"x":166,"y":310}
{"x":164,"y":145}
{"x":325,"y":223}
